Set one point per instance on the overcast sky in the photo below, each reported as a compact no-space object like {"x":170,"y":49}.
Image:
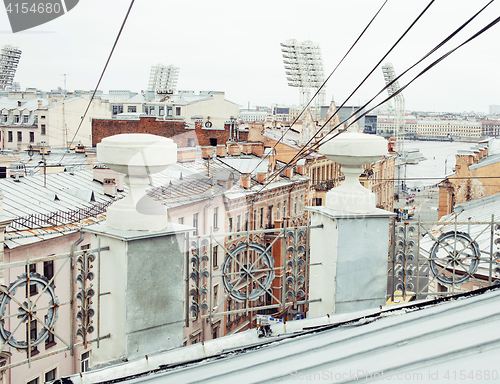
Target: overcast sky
{"x":234,"y":46}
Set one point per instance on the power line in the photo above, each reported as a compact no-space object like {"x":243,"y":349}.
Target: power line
{"x":298,"y":155}
{"x":301,"y":154}
{"x":102,"y":73}
{"x":324,"y":82}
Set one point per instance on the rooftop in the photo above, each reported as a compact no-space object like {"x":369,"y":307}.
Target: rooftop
{"x":397,"y":343}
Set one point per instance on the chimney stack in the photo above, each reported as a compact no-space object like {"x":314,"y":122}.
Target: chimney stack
{"x":246,"y":180}
{"x":143,"y":270}
{"x":349,"y":251}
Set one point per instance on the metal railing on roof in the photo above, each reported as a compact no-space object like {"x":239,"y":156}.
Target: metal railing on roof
{"x":436,"y":259}
{"x":53,"y":219}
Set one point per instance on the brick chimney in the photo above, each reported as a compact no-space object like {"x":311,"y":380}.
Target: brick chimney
{"x":221,"y":150}
{"x":301,"y":167}
{"x":258,"y":149}
{"x":186,"y":154}
{"x":109,"y":187}
{"x":288,"y":172}
{"x":261,"y":177}
{"x":233,"y":149}
{"x":246,"y":180}
{"x":207,"y":152}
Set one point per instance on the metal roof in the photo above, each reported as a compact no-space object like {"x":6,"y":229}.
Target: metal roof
{"x":30,"y":104}
{"x":250,"y":165}
{"x":413,"y":342}
{"x":488,"y":160}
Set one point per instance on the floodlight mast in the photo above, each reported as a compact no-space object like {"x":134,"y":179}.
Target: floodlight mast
{"x":399,"y":115}
{"x":163,"y":79}
{"x":9,"y":59}
{"x":304,"y":70}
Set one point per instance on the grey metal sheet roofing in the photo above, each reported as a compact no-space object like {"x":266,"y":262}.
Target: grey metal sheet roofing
{"x":252,"y":165}
{"x":488,"y":160}
{"x":403,"y":344}
{"x":30,"y":104}
{"x":29,"y":196}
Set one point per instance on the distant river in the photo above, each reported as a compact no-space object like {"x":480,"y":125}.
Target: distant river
{"x":431,"y":171}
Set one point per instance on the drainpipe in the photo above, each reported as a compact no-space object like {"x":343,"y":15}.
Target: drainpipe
{"x":211,"y":198}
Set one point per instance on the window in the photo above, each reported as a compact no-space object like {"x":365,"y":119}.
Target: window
{"x":230,"y":224}
{"x":278,"y":209}
{"x":295,"y":206}
{"x":48,"y":269}
{"x":238,"y":223}
{"x":261,"y":221}
{"x":51,"y":375}
{"x":180,"y":220}
{"x":177,"y":111}
{"x":215,"y":332}
{"x":169,"y":111}
{"x":246,"y":221}
{"x":42,"y":128}
{"x":301,"y":206}
{"x":216,"y":217}
{"x":31,"y":332}
{"x":229,"y":302}
{"x":85,"y":246}
{"x":43,"y":117}
{"x":49,"y":341}
{"x":85,"y":360}
{"x":32,"y":137}
{"x":117,"y":109}
{"x":216,"y":294}
{"x":190,"y":142}
{"x":271,"y":218}
{"x":195,"y":224}
{"x":215,"y":256}
{"x":131,"y":108}
{"x":16,"y":119}
{"x":19,"y":136}
{"x":284,"y":209}
{"x":25,"y":119}
{"x":318,"y":201}
{"x":34,"y":381}
{"x":3,"y":172}
{"x":33,"y":289}
{"x":4,"y":118}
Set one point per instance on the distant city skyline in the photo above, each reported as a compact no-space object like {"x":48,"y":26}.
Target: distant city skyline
{"x":236,"y":49}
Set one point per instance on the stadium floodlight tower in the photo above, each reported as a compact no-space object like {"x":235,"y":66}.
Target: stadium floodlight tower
{"x":9,"y":59}
{"x":399,"y":116}
{"x":304,"y":69}
{"x":163,"y":79}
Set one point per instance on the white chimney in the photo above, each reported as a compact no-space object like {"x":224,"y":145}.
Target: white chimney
{"x":349,"y":253}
